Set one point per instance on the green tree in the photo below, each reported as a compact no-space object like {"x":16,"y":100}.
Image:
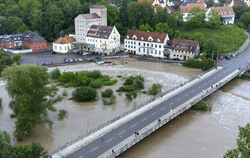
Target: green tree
{"x":155,"y":89}
{"x":13,"y":24}
{"x":245,"y":19}
{"x":146,"y":27}
{"x":210,"y":3}
{"x":164,"y":28}
{"x":107,"y":93}
{"x":35,"y":150}
{"x":196,"y":17}
{"x":5,"y":146}
{"x":214,"y":19}
{"x":243,"y":144}
{"x":32,"y":97}
{"x":17,"y":59}
{"x":55,"y":74}
{"x":5,"y":60}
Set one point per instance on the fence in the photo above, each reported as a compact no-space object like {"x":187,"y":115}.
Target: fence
{"x":243,"y":45}
{"x":126,"y":113}
{"x":186,"y":107}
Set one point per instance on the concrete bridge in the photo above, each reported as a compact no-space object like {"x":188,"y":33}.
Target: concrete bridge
{"x":117,"y":135}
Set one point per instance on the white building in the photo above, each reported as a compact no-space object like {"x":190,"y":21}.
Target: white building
{"x":145,"y":43}
{"x":63,"y":44}
{"x":97,"y":16}
{"x":186,"y":9}
{"x":226,"y":13}
{"x":183,"y":49}
{"x":106,"y":39}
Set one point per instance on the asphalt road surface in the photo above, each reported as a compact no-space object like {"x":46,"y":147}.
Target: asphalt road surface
{"x":114,"y":137}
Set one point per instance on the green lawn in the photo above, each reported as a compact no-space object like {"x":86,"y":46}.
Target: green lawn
{"x":229,"y":38}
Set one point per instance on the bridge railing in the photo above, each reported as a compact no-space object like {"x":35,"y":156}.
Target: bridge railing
{"x":126,"y":113}
{"x":163,"y":122}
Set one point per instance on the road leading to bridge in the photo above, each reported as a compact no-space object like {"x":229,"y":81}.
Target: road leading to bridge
{"x":114,"y":137}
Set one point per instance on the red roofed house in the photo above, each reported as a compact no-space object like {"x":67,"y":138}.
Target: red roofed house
{"x":63,"y":44}
{"x":97,"y":16}
{"x":186,"y":8}
{"x":145,"y":43}
{"x":183,"y":49}
{"x":226,"y":13}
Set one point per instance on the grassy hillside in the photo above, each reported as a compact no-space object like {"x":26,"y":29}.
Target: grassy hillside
{"x":228,"y":38}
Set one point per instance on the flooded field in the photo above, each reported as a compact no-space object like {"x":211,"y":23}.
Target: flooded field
{"x":193,"y":134}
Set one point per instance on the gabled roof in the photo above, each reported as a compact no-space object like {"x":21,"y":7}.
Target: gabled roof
{"x":189,"y":6}
{"x":144,"y":36}
{"x":224,"y":11}
{"x":184,"y":45}
{"x":32,"y":37}
{"x":98,"y":31}
{"x":90,"y":16}
{"x":64,"y":40}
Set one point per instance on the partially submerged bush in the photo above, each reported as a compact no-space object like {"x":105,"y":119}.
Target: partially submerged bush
{"x":202,"y":106}
{"x":62,"y":113}
{"x":155,"y":89}
{"x":83,"y":94}
{"x":110,"y":82}
{"x":55,"y":74}
{"x":64,"y":93}
{"x":107,"y":93}
{"x":109,"y":101}
{"x":98,"y":83}
{"x":131,"y":95}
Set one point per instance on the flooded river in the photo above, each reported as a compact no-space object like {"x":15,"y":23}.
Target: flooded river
{"x":193,"y":134}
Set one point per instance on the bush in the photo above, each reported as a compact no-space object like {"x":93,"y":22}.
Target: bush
{"x":110,"y":101}
{"x":110,"y":82}
{"x":119,"y":76}
{"x":107,"y":93}
{"x":55,"y":74}
{"x":1,"y":100}
{"x":17,"y":59}
{"x":83,"y":94}
{"x":94,"y":74}
{"x":62,"y":114}
{"x":131,"y":95}
{"x":155,"y":89}
{"x":202,"y":106}
{"x":64,"y":93}
{"x":96,"y":83}
{"x":126,"y":88}
{"x":67,"y":77}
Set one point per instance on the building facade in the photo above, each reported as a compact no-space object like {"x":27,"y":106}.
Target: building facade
{"x":63,"y":44}
{"x":97,"y":16}
{"x":27,"y":40}
{"x":226,"y":13}
{"x":183,"y":49}
{"x":185,"y":9}
{"x":105,"y":39}
{"x":145,"y":43}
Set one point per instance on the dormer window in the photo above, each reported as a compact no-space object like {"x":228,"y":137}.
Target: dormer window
{"x":150,"y":39}
{"x":127,"y":37}
{"x":142,"y":38}
{"x":158,"y":40}
{"x":134,"y":37}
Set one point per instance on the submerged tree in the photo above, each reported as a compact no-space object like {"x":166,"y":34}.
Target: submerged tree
{"x":32,"y":97}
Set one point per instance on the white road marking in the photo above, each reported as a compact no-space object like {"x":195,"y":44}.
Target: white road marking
{"x":122,"y":132}
{"x":154,"y":113}
{"x":133,"y":126}
{"x":94,"y":149}
{"x":109,"y":140}
{"x":144,"y":119}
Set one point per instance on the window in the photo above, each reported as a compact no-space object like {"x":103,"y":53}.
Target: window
{"x":139,"y":43}
{"x":159,"y":46}
{"x":148,"y":45}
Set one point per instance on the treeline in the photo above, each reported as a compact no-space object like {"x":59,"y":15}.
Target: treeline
{"x":242,"y":17}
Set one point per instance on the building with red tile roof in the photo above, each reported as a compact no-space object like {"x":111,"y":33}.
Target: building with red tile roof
{"x":145,"y":43}
{"x":185,"y":9}
{"x":64,"y":44}
{"x":183,"y":49}
{"x":227,"y":14}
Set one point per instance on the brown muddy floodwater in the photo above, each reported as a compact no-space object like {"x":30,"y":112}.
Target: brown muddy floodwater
{"x":193,"y":134}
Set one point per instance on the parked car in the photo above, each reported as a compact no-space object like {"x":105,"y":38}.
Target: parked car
{"x":228,"y":57}
{"x":75,"y":60}
{"x":66,"y":60}
{"x":80,"y":59}
{"x":71,"y":60}
{"x":221,"y":57}
{"x":84,"y":53}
